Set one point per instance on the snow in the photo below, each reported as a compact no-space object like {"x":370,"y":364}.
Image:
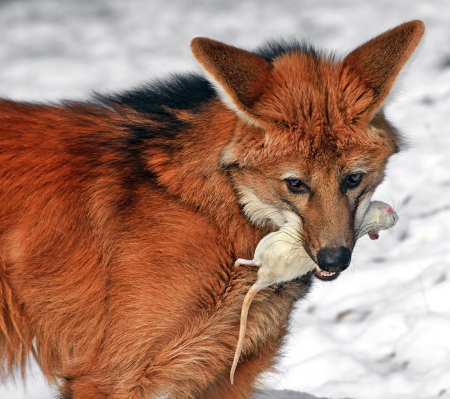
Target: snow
{"x":381,"y":329}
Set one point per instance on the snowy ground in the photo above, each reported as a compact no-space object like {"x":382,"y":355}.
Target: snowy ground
{"x":379,"y":331}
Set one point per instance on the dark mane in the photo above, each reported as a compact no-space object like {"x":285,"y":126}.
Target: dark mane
{"x":186,"y":91}
{"x":274,"y":48}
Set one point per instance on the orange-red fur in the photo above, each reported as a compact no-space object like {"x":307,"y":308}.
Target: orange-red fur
{"x":116,"y":265}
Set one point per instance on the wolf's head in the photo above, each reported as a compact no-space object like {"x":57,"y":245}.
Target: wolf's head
{"x":311,"y":141}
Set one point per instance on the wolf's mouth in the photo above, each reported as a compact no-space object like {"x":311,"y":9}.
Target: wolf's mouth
{"x":326,"y":276}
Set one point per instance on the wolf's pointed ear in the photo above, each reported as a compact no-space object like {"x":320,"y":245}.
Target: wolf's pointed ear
{"x":379,"y":61}
{"x":239,"y":76}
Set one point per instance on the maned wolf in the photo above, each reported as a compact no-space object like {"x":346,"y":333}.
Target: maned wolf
{"x":121,"y":218}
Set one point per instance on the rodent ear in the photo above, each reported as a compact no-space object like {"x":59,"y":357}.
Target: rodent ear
{"x":378,"y":62}
{"x":239,"y":76}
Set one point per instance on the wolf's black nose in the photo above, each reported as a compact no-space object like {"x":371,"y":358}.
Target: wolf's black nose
{"x":334,"y":259}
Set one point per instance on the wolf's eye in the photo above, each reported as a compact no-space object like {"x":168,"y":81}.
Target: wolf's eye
{"x":296,"y":185}
{"x":353,"y":180}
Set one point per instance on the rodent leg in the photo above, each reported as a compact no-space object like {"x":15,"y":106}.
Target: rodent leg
{"x":246,"y":262}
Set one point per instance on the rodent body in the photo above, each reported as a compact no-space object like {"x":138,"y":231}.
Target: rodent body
{"x":281,"y":257}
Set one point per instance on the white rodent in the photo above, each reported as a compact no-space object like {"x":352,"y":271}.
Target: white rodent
{"x":281,"y":257}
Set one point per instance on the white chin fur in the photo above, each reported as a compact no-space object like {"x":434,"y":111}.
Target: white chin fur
{"x":293,"y":219}
{"x":259,"y":212}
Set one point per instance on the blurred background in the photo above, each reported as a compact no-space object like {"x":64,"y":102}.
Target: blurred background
{"x":382,"y":329}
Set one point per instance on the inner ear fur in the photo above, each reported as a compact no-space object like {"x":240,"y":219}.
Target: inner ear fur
{"x":239,"y":76}
{"x":379,"y":61}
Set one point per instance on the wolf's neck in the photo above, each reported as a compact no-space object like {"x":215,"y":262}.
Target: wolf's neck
{"x":189,"y":167}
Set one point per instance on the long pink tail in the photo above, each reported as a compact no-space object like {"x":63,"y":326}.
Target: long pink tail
{"x":244,"y":313}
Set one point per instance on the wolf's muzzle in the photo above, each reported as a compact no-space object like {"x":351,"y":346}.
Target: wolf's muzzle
{"x":334,"y":259}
